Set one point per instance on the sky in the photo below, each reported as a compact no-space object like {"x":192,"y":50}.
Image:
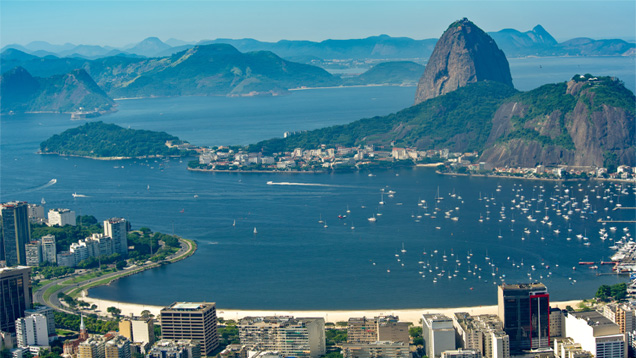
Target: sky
{"x":118,"y":22}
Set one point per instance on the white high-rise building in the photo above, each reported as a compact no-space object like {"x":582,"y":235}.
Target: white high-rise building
{"x":438,"y":334}
{"x":596,"y":334}
{"x":50,"y":319}
{"x":117,"y":229}
{"x":49,"y":249}
{"x":32,"y":331}
{"x":61,"y":217}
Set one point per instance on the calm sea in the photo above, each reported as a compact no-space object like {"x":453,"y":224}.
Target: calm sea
{"x":304,"y":256}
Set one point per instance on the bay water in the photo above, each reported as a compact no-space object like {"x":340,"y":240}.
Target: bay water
{"x":304,"y":256}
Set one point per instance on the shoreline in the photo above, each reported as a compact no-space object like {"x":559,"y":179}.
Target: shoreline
{"x":109,"y":158}
{"x":412,"y":315}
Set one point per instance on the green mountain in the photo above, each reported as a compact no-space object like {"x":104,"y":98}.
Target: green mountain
{"x":395,"y":73}
{"x":219,"y":69}
{"x":586,"y":121}
{"x":21,"y":92}
{"x":102,"y":140}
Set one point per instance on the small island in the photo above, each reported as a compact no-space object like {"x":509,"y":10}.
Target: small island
{"x":99,"y":140}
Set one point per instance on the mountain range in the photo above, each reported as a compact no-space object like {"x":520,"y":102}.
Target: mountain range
{"x":514,"y":43}
{"x":215,"y":69}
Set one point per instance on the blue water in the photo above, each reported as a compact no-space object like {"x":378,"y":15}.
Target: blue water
{"x":294,"y":262}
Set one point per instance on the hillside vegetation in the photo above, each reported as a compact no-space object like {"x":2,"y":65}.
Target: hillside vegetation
{"x":101,"y":140}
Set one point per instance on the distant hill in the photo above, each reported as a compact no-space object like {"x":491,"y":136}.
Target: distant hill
{"x":102,"y":140}
{"x":21,"y":92}
{"x":150,"y":47}
{"x":219,"y":69}
{"x":396,"y":73}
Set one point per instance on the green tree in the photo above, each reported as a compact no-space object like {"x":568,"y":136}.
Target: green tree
{"x":603,"y":292}
{"x":114,"y":311}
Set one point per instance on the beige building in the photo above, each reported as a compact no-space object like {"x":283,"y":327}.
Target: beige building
{"x":381,"y":328}
{"x":622,"y":315}
{"x":191,"y":321}
{"x":483,"y":333}
{"x":138,"y":330}
{"x":378,"y":349}
{"x":297,"y":337}
{"x":117,"y":347}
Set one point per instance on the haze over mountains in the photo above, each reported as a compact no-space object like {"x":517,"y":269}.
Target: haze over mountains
{"x":514,"y":43}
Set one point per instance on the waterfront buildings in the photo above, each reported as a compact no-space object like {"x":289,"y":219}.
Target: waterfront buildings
{"x":378,"y":349}
{"x":297,"y":337}
{"x":524,"y":310}
{"x":117,"y":229}
{"x":596,"y":334}
{"x":438,"y":334}
{"x":191,"y":321}
{"x":61,"y":217}
{"x":95,"y":245}
{"x":15,"y":232}
{"x":381,"y":328}
{"x":15,"y":295}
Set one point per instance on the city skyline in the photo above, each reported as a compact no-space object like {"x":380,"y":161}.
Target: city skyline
{"x":118,"y":23}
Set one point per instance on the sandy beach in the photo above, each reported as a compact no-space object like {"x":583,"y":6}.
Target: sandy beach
{"x":406,"y":315}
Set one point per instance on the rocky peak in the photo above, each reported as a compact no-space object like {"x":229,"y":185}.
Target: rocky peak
{"x":464,"y":54}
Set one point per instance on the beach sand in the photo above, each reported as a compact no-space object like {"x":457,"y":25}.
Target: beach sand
{"x":406,"y":315}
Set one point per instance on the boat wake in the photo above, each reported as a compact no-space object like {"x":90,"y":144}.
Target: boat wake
{"x":297,"y":184}
{"x":40,"y":187}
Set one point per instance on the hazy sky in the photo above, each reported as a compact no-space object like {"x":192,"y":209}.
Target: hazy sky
{"x":118,"y":22}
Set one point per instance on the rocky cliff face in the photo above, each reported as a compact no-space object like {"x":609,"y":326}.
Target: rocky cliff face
{"x":464,"y":54}
{"x":589,"y":123}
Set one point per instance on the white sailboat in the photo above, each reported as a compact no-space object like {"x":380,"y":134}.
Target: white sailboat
{"x":255,"y":232}
{"x":372,"y":219}
{"x":234,"y":223}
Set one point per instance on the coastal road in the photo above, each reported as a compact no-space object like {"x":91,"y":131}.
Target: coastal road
{"x":54,"y":302}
